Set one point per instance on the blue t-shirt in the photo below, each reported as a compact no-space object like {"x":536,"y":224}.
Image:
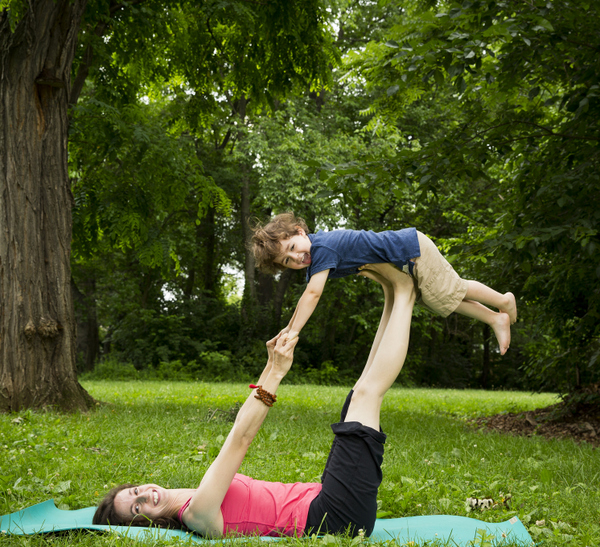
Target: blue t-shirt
{"x":343,"y":251}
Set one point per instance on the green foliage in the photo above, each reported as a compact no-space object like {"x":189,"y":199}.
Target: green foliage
{"x":211,"y":366}
{"x":462,"y":119}
{"x":480,"y":101}
{"x":326,"y":375}
{"x":14,"y":10}
{"x":112,"y":369}
{"x":146,"y":337}
{"x":131,"y":175}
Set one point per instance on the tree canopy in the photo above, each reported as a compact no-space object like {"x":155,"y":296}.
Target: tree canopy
{"x":476,"y":122}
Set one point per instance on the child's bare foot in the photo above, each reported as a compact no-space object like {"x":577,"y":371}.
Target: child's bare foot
{"x":501,"y":328}
{"x":511,"y":307}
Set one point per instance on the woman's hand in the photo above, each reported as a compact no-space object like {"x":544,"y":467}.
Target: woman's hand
{"x":284,"y":355}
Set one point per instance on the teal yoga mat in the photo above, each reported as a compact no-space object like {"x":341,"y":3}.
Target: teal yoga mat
{"x":46,"y":517}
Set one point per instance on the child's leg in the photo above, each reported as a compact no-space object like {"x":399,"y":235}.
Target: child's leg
{"x":390,"y":353}
{"x":499,"y":321}
{"x":443,"y":290}
{"x":473,"y":306}
{"x":482,"y":293}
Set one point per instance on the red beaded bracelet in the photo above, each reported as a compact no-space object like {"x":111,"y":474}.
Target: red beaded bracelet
{"x":263,"y":395}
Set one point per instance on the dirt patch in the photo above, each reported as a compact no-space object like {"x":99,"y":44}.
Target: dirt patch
{"x":556,"y":421}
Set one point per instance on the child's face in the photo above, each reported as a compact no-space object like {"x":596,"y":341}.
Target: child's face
{"x":295,"y":251}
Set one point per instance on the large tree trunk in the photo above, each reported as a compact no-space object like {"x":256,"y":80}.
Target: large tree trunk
{"x":37,"y":329}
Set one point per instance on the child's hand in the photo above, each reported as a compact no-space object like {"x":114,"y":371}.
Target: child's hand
{"x":289,"y":336}
{"x":271,"y":345}
{"x":283,"y":334}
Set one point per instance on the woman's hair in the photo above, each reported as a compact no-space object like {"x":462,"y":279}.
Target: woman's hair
{"x":266,"y":239}
{"x":106,"y":514}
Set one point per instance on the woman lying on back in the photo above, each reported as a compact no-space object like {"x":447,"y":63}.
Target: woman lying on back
{"x":227,"y":503}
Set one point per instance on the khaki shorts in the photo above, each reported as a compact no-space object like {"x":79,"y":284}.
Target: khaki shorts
{"x":439,"y":286}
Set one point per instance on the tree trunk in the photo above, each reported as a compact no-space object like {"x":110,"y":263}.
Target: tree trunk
{"x":204,"y":257}
{"x":249,"y":265}
{"x":86,"y":316}
{"x":282,"y":286}
{"x":209,"y":240}
{"x":486,"y":369}
{"x":37,"y":327}
{"x":265,"y":284}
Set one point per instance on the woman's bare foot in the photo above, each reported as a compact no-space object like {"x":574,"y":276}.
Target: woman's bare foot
{"x":501,"y":328}
{"x":375,"y":276}
{"x":511,"y":307}
{"x":389,"y":272}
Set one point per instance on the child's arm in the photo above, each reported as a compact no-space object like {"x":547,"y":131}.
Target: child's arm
{"x":307,"y":303}
{"x":291,"y":322}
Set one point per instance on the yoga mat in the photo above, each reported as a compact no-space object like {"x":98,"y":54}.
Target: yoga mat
{"x":46,"y":517}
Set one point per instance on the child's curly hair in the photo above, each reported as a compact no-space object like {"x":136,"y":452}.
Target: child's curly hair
{"x":265,"y":240}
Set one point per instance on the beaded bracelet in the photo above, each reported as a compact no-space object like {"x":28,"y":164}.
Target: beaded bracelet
{"x":263,"y":395}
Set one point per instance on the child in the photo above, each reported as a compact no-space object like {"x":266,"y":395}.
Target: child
{"x":285,"y":243}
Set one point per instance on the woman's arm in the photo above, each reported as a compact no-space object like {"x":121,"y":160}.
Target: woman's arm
{"x":204,"y":511}
{"x":271,"y":356}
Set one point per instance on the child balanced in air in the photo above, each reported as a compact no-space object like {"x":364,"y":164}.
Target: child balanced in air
{"x":285,"y":242}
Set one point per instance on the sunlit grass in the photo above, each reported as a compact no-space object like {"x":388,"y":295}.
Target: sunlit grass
{"x":159,"y":432}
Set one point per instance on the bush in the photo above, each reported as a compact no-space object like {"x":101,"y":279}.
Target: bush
{"x":178,"y":331}
{"x":111,"y":369}
{"x":327,"y":375}
{"x":218,"y":365}
{"x":211,"y":366}
{"x":175,"y":370}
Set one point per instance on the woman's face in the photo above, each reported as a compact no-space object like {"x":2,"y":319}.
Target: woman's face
{"x":149,"y":500}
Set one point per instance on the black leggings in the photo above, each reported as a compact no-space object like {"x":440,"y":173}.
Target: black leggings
{"x":348,"y":500}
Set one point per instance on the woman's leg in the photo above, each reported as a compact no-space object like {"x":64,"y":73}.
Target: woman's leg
{"x":348,"y":498}
{"x":388,"y":294}
{"x":390,"y":353}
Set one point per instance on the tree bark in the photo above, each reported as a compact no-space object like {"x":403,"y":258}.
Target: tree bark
{"x":37,"y":327}
{"x":86,"y":317}
{"x":486,"y":370}
{"x":209,"y":240}
{"x":249,"y":264}
{"x":282,"y":287}
{"x":204,"y":259}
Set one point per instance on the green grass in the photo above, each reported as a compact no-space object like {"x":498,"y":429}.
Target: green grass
{"x":159,"y":432}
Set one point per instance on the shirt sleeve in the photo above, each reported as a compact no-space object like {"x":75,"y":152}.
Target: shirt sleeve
{"x":323,"y":258}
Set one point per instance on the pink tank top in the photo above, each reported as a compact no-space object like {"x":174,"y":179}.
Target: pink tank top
{"x":264,"y":508}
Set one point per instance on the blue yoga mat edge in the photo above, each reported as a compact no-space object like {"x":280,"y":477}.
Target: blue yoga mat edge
{"x":46,"y":517}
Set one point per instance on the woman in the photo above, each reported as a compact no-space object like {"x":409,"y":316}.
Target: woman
{"x":227,"y":503}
